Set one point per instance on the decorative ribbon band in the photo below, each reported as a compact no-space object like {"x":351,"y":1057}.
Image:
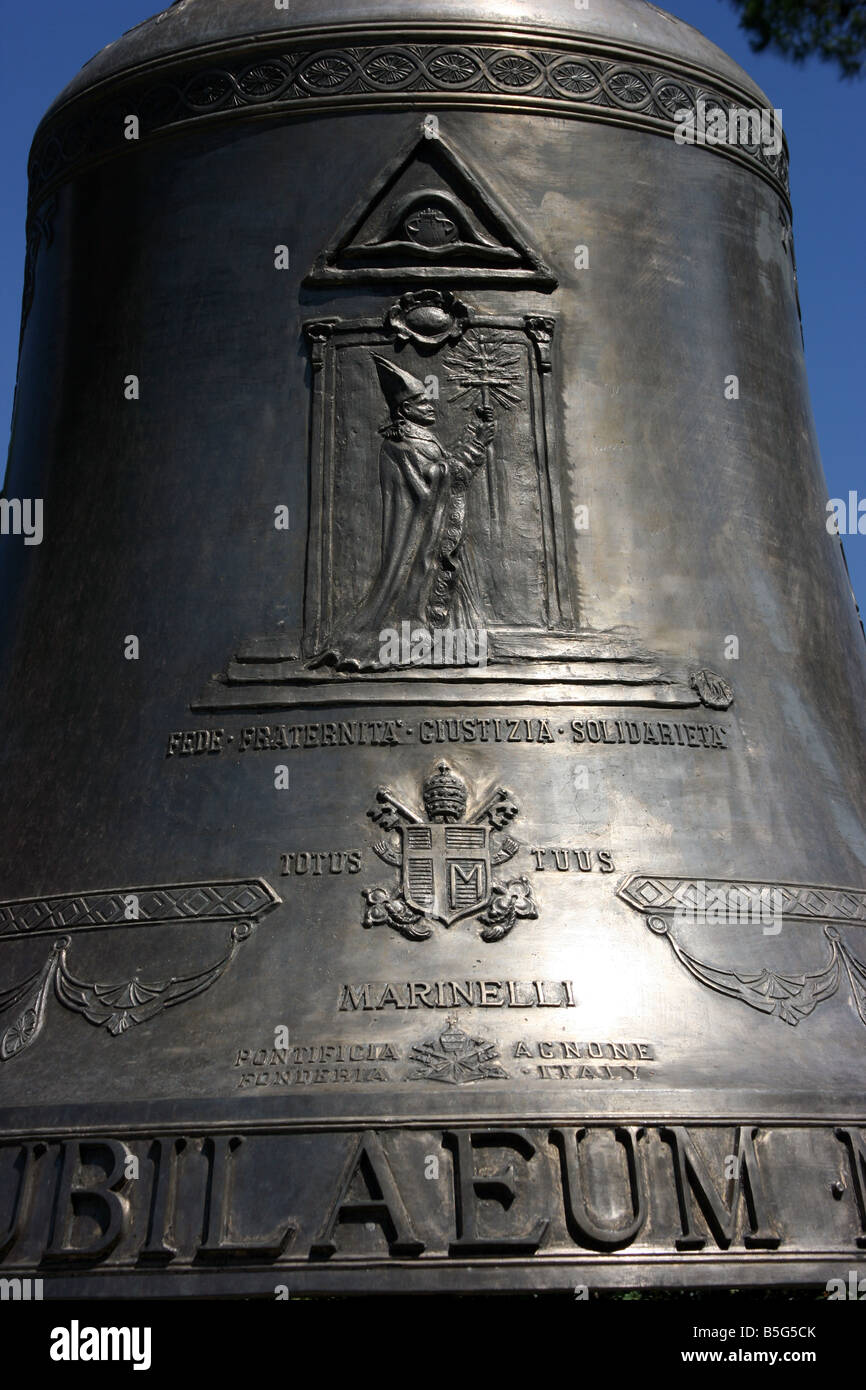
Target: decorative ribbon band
{"x":116,"y":1006}
{"x":236,"y":900}
{"x":554,"y":78}
{"x":789,"y":994}
{"x":691,"y":898}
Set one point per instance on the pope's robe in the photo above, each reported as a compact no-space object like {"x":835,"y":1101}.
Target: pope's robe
{"x":425,"y":574}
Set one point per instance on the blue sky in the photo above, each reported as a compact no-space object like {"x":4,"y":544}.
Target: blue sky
{"x":45,"y":43}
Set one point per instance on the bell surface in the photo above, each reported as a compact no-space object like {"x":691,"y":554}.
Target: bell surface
{"x":432,"y":850}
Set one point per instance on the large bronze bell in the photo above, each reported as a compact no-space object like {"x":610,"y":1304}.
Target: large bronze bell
{"x":432,"y":849}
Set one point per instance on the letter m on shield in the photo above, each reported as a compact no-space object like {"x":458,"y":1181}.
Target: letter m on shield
{"x":446,"y":870}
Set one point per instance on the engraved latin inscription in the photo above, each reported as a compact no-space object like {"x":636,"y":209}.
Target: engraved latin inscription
{"x":564,"y":1193}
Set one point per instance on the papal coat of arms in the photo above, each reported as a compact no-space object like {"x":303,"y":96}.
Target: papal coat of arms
{"x":447,"y":862}
{"x":455,"y":1057}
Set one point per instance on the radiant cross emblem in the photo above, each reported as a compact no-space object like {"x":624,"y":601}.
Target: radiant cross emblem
{"x":482,"y":371}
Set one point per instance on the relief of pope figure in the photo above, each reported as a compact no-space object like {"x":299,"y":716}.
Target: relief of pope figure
{"x":426,"y":576}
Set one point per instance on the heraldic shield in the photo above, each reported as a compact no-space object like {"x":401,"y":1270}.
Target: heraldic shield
{"x":446,"y":862}
{"x":446,"y":869}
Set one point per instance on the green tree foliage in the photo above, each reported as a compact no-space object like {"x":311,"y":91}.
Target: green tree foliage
{"x":835,"y":30}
